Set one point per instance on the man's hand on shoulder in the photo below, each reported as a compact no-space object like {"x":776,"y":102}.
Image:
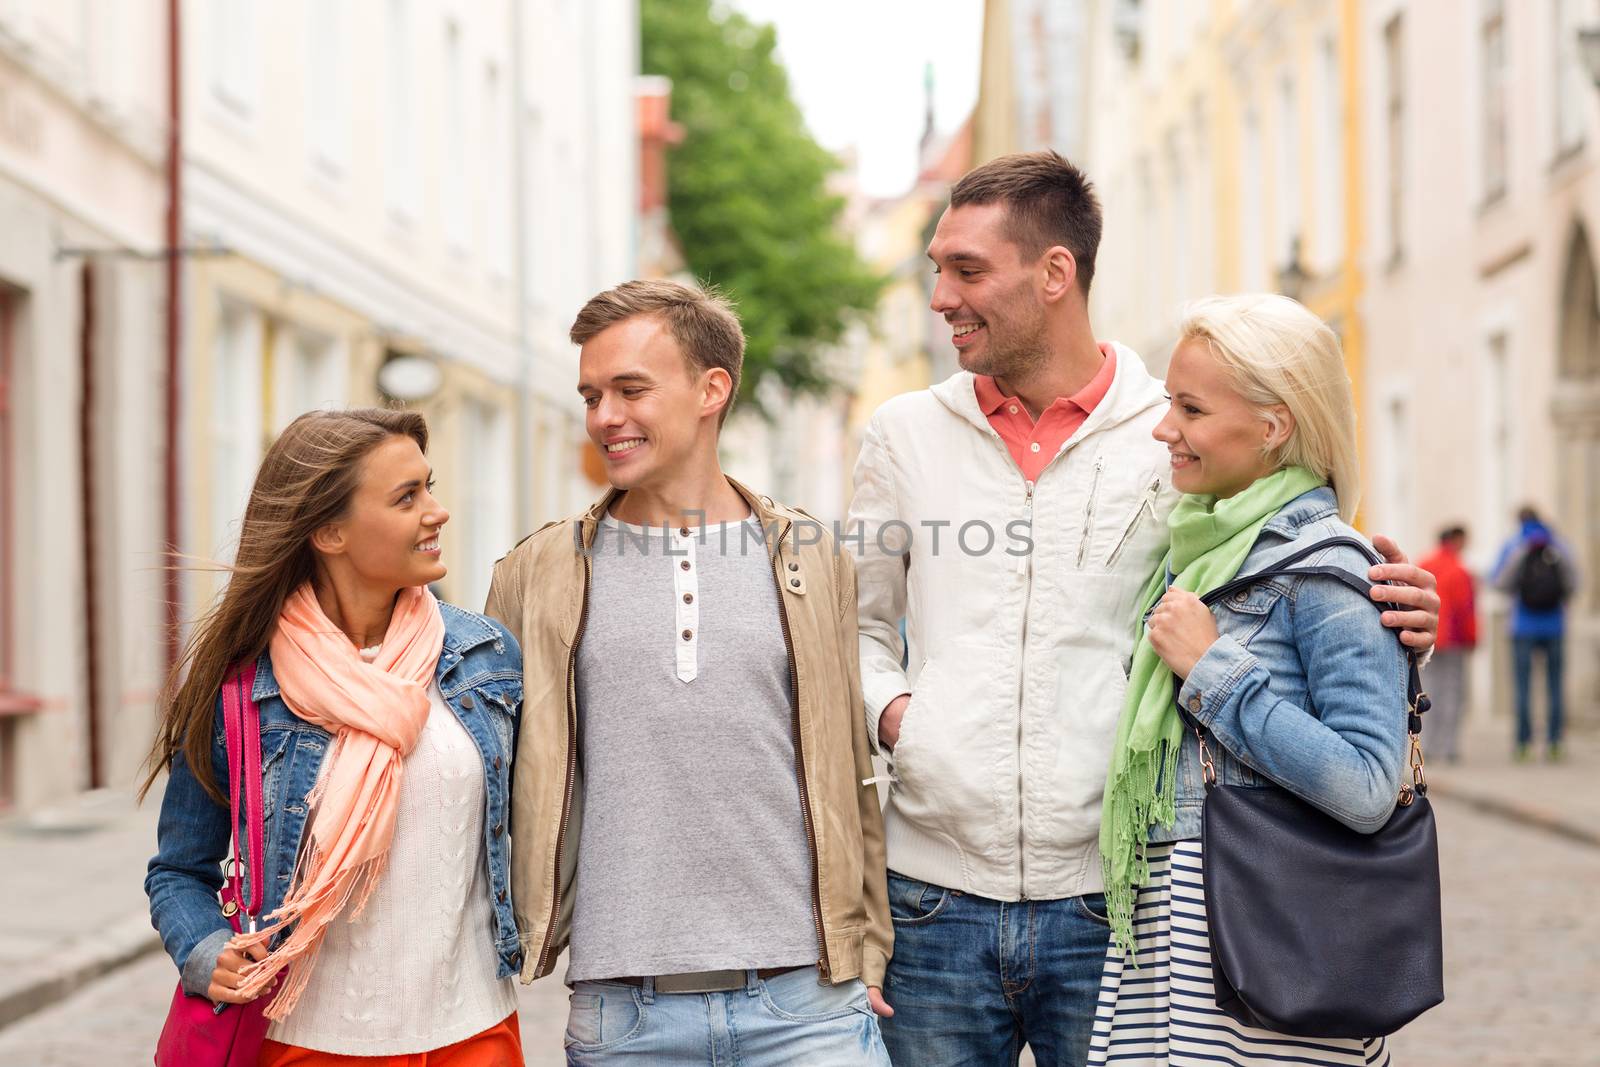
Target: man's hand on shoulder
{"x":1418,"y":591}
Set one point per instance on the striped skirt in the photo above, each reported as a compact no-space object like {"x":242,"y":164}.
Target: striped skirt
{"x":1165,"y":1011}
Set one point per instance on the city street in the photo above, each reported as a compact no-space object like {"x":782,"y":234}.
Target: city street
{"x":1522,"y":938}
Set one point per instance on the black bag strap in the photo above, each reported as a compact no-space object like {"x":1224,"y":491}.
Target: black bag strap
{"x":1417,"y":702}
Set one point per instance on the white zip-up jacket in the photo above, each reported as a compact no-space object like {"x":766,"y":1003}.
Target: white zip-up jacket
{"x":1018,"y":660}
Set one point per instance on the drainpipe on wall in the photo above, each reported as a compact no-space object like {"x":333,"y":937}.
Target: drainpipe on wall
{"x":91,"y":585}
{"x":174,"y":264}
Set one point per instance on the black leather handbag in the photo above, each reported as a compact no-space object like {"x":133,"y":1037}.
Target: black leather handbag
{"x":1317,"y":930}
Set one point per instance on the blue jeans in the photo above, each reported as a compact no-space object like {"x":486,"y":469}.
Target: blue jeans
{"x":774,"y":1022}
{"x":973,"y":980}
{"x":1522,"y":650}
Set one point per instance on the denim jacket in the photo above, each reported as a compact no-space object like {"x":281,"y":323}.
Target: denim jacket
{"x":480,"y":677}
{"x":1305,"y":687}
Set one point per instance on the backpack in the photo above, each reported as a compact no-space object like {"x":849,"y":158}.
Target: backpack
{"x":1539,"y":586}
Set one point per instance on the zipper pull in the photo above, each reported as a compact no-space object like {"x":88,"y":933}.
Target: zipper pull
{"x":1027,"y":506}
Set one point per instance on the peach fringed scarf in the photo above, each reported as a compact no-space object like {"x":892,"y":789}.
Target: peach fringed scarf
{"x":376,"y":712}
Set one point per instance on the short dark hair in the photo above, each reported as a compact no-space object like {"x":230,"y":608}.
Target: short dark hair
{"x":1527,"y":513}
{"x":1452,"y":533}
{"x":1048,"y":202}
{"x":701,"y":321}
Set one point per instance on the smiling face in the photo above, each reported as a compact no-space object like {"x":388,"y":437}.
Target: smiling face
{"x":649,"y":410}
{"x":989,"y":292}
{"x":1218,"y":440}
{"x":389,"y":533}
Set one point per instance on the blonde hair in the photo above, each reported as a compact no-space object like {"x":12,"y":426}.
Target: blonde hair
{"x":1277,"y":352}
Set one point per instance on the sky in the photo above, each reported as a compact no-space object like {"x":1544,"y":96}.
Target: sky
{"x":856,"y":70}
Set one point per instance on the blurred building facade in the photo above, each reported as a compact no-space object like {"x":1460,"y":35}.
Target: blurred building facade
{"x":795,"y":448}
{"x":436,"y":182}
{"x":82,"y":148}
{"x":1422,"y":175}
{"x":1481,"y":128}
{"x":906,"y":346}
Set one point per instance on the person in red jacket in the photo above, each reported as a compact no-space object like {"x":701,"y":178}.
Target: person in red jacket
{"x":1458,"y":636}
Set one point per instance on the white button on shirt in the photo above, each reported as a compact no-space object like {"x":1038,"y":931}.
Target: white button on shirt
{"x":686,"y":584}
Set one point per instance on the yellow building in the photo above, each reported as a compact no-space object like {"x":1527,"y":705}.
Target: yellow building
{"x":1223,"y":137}
{"x":905,"y":346}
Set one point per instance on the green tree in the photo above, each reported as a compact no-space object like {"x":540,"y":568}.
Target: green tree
{"x":747,"y":192}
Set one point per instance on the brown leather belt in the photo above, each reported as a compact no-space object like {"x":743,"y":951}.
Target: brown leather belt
{"x":706,"y":981}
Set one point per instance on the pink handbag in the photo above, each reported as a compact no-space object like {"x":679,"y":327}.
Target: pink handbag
{"x":199,"y":1033}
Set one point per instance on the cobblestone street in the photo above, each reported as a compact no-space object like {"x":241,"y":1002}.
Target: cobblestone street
{"x":1523,"y":944}
{"x":1522,"y":950}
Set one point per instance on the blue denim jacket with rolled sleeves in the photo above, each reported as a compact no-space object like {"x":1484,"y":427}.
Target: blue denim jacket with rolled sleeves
{"x":480,"y":677}
{"x":1305,"y":687}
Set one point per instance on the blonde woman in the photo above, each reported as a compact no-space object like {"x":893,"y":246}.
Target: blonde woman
{"x":1298,"y":683}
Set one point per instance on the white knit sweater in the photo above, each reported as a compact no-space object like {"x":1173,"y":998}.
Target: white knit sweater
{"x":416,"y":971}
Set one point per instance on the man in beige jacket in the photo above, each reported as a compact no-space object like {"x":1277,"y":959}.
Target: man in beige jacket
{"x":692,"y":805}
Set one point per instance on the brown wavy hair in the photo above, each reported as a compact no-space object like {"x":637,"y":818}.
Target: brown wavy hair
{"x":305,"y":482}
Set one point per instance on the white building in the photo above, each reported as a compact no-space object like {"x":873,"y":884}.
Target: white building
{"x":82,"y":125}
{"x":441,"y":179}
{"x":1482,"y":129}
{"x":361,"y":180}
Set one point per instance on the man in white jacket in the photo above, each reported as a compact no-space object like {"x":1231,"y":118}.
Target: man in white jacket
{"x":1010,"y":515}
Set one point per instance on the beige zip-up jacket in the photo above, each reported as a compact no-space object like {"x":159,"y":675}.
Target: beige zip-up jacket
{"x":540,"y":590}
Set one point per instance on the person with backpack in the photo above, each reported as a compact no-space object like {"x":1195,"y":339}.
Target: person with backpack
{"x":1536,"y":570}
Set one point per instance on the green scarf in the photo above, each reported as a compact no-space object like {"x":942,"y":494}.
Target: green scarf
{"x":1210,"y":540}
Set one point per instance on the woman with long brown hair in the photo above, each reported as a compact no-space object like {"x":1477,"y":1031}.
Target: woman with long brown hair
{"x":386,"y":724}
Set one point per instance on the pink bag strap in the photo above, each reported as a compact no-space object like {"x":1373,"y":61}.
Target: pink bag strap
{"x":241,"y":723}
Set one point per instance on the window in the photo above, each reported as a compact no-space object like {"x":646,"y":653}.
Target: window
{"x":1397,"y":484}
{"x":404,"y":177}
{"x":110,"y":78}
{"x":534,"y":185}
{"x":1492,"y":84}
{"x":1394,"y":123}
{"x":1181,"y":214}
{"x":1330,"y":157}
{"x":236,"y":426}
{"x":1149,"y":245}
{"x":1252,"y":266}
{"x":1568,"y":84}
{"x":497,"y":161}
{"x":455,"y":158}
{"x":310,"y":375}
{"x":488,"y":495}
{"x":1496,"y":490}
{"x":1202,"y":275}
{"x":233,"y":54}
{"x":327,"y":118}
{"x":1288,"y":174}
{"x":7,"y":495}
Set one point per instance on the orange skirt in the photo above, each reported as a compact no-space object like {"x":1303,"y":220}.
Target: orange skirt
{"x":498,"y":1046}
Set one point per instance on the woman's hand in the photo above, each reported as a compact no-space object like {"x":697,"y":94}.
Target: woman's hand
{"x":225,"y":978}
{"x":1181,"y":628}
